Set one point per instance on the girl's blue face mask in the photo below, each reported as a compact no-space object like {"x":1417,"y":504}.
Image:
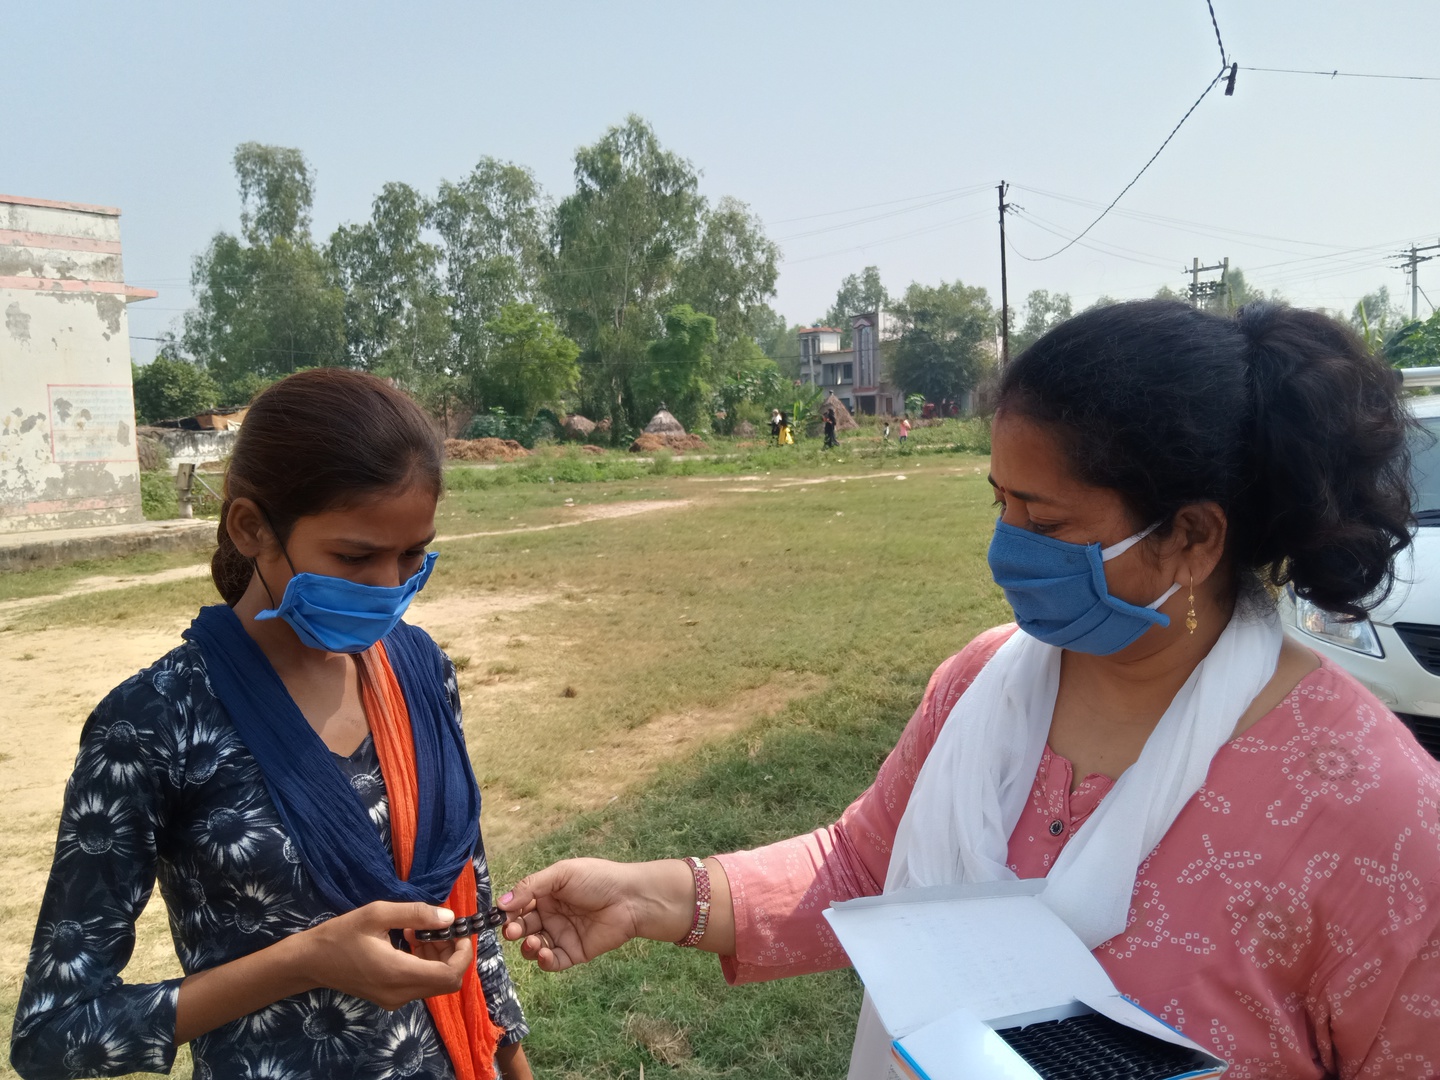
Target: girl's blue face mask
{"x":1059,"y":593}
{"x":343,"y":616}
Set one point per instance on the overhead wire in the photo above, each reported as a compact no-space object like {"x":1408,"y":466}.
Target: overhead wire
{"x":1337,"y":74}
{"x":1203,"y":95}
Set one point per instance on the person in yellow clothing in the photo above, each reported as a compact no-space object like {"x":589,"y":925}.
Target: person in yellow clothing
{"x":786,"y":436}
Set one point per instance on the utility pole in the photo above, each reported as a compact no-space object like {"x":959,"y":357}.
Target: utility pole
{"x":1411,"y":266}
{"x":1004,"y":285}
{"x":1197,"y":288}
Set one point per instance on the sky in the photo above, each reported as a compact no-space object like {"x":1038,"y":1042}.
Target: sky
{"x":860,"y":133}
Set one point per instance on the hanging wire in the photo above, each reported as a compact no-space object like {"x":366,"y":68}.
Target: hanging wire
{"x":1204,"y":93}
{"x":1224,"y":60}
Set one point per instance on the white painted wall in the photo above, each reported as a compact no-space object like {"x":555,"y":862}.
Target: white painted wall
{"x":67,"y":413}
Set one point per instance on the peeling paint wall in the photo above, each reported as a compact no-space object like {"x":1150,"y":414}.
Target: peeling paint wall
{"x":67,"y":413}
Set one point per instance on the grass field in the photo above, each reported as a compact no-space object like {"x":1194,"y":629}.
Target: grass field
{"x":656,"y":659}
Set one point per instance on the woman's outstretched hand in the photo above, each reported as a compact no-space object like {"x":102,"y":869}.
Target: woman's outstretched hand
{"x":578,"y":909}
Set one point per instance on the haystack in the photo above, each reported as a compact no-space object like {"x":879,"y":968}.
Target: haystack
{"x":664,"y":424}
{"x":744,"y":430}
{"x":843,"y":420}
{"x":578,"y":427}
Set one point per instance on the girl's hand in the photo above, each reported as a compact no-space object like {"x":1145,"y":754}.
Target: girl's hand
{"x":575,"y":910}
{"x":352,"y":953}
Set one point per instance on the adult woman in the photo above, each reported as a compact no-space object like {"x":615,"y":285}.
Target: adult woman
{"x":295,"y":774}
{"x":1247,"y":840}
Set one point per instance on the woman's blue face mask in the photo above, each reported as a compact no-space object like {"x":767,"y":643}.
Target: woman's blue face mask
{"x":343,"y":616}
{"x":1059,"y":593}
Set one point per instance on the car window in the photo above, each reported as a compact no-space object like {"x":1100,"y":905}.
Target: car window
{"x":1425,"y":469}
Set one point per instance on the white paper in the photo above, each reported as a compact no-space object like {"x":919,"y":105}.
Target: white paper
{"x":960,"y":1046}
{"x":994,"y":950}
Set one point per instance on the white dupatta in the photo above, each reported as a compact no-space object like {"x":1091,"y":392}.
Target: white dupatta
{"x":972,"y":789}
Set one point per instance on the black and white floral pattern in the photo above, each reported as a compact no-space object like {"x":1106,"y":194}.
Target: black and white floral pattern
{"x":164,"y":788}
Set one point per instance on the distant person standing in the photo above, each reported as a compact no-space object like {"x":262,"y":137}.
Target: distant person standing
{"x":775,"y":421}
{"x":830,"y":439}
{"x":886,"y":435}
{"x":784,"y":436}
{"x":904,"y":429}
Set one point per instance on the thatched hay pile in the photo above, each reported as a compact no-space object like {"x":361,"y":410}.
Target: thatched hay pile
{"x":578,"y":427}
{"x":744,"y":430}
{"x":484,"y":450}
{"x":649,"y":442}
{"x":664,"y":424}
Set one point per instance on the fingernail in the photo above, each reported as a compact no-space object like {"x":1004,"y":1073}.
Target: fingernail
{"x":507,"y":898}
{"x":446,"y":914}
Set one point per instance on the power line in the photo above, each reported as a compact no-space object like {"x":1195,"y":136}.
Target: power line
{"x":1337,"y":74}
{"x":1205,"y":93}
{"x":1224,"y":60}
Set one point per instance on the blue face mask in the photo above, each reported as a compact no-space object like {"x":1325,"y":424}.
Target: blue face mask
{"x":343,"y":616}
{"x":1059,"y":593}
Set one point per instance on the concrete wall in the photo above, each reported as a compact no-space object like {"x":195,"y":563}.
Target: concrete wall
{"x":195,"y":447}
{"x":67,"y":412}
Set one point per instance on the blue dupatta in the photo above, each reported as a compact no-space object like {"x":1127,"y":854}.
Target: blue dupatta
{"x":320,"y":811}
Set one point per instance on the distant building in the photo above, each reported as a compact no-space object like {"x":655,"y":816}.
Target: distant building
{"x":67,"y":409}
{"x":874,"y":393}
{"x":824,"y":363}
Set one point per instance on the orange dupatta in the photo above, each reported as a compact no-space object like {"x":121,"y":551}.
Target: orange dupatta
{"x":461,"y":1019}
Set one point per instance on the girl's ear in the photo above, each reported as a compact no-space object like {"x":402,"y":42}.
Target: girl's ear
{"x":248,"y":529}
{"x":1199,"y":532}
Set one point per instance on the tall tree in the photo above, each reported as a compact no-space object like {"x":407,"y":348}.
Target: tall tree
{"x":491,"y":225}
{"x":678,"y":367}
{"x":943,"y":345}
{"x":1043,"y":310}
{"x":857,"y":294}
{"x":729,"y":274}
{"x":395,"y":310}
{"x":266,"y":301}
{"x":616,"y":248}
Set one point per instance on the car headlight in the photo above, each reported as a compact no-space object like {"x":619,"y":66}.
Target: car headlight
{"x":1357,"y":635}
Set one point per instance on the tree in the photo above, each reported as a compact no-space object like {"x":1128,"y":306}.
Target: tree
{"x":491,"y":226}
{"x":941,"y":349}
{"x":266,"y":301}
{"x":616,"y":248}
{"x":678,"y":367}
{"x":397,"y":319}
{"x":1416,"y":344}
{"x":1376,"y":318}
{"x":169,"y":387}
{"x":531,"y":365}
{"x":729,"y":274}
{"x":1043,"y":310}
{"x":857,"y":294}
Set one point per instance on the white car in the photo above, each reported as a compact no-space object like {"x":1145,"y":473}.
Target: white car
{"x":1396,"y":651}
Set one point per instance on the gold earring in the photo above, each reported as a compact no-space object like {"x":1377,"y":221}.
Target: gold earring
{"x":1191,"y":622}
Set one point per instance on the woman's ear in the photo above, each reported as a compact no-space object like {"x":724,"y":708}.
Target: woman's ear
{"x":248,"y":529}
{"x":1199,"y":533}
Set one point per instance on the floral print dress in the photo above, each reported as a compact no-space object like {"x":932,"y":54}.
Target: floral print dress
{"x":163,"y":787}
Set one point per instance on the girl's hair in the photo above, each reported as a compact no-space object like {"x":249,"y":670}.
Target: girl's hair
{"x":317,"y":441}
{"x":1281,"y":416}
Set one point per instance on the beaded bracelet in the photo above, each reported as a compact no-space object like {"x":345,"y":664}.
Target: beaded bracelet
{"x":702,"y":904}
{"x":464,"y":926}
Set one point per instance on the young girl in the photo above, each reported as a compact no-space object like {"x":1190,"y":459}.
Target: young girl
{"x":296,"y":776}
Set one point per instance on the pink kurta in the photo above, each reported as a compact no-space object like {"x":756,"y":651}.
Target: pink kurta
{"x":1289,"y":920}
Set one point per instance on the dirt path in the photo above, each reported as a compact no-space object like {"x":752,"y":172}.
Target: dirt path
{"x":106,"y":583}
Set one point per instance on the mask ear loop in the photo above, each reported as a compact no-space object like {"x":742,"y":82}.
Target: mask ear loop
{"x":255,"y":564}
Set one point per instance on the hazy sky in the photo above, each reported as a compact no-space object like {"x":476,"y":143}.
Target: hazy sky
{"x":860,"y":133}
